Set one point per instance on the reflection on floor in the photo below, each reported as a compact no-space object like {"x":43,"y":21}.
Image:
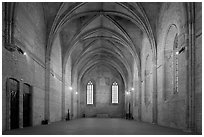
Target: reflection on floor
{"x":97,"y":126}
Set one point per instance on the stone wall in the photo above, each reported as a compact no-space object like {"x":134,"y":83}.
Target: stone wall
{"x":171,"y":103}
{"x":55,"y":91}
{"x":147,"y":81}
{"x":102,"y":78}
{"x":29,"y":35}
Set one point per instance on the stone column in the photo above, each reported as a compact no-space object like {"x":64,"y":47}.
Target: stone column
{"x":47,"y":89}
{"x":71,"y":114}
{"x":154,"y":108}
{"x":140,"y":97}
{"x":21,"y":104}
{"x":190,"y":108}
{"x":63,"y":93}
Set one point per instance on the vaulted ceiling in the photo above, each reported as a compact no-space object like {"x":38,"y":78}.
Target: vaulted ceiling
{"x":100,"y":33}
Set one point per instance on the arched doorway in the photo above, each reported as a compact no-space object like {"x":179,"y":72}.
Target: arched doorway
{"x":27,"y":105}
{"x":13,"y":103}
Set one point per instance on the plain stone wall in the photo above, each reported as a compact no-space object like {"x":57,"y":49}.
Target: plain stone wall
{"x":171,"y":112}
{"x":147,"y":80}
{"x":198,"y":66}
{"x":30,"y":36}
{"x":102,"y":77}
{"x":55,"y":91}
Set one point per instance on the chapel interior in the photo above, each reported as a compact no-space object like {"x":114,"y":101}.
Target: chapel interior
{"x":130,"y":61}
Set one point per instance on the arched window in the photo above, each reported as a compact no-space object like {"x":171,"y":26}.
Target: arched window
{"x":89,"y":95}
{"x":171,"y":63}
{"x":115,"y":92}
{"x":176,"y":64}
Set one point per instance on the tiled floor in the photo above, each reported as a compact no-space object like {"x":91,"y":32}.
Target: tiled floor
{"x":97,"y":126}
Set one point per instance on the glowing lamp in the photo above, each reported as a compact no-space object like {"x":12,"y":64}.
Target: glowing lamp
{"x":70,"y":88}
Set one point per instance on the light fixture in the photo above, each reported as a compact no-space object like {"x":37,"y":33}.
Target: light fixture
{"x":52,"y":74}
{"x":132,"y":89}
{"x":76,"y":93}
{"x":128,"y":92}
{"x":20,"y":50}
{"x":180,"y":50}
{"x":70,"y":88}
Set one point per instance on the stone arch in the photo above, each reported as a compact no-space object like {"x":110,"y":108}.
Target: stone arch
{"x":12,"y":103}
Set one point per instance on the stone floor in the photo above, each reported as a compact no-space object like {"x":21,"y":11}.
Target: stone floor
{"x":97,"y":126}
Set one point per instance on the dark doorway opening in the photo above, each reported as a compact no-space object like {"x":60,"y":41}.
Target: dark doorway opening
{"x":26,"y":105}
{"x":14,"y":103}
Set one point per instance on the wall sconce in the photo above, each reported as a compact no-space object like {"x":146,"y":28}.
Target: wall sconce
{"x":132,"y":89}
{"x":53,"y":74}
{"x":70,"y":88}
{"x":128,"y":92}
{"x":180,"y":51}
{"x":20,"y":51}
{"x":76,"y":93}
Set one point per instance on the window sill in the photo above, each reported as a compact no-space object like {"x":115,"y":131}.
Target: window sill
{"x":114,"y":103}
{"x":90,"y":105}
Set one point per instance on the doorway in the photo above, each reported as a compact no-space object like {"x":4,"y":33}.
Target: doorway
{"x":26,"y":105}
{"x":13,"y":90}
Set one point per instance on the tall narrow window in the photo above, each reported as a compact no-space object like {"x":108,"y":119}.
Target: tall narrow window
{"x":176,"y":64}
{"x":115,"y":92}
{"x":171,"y":63}
{"x":89,"y":93}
